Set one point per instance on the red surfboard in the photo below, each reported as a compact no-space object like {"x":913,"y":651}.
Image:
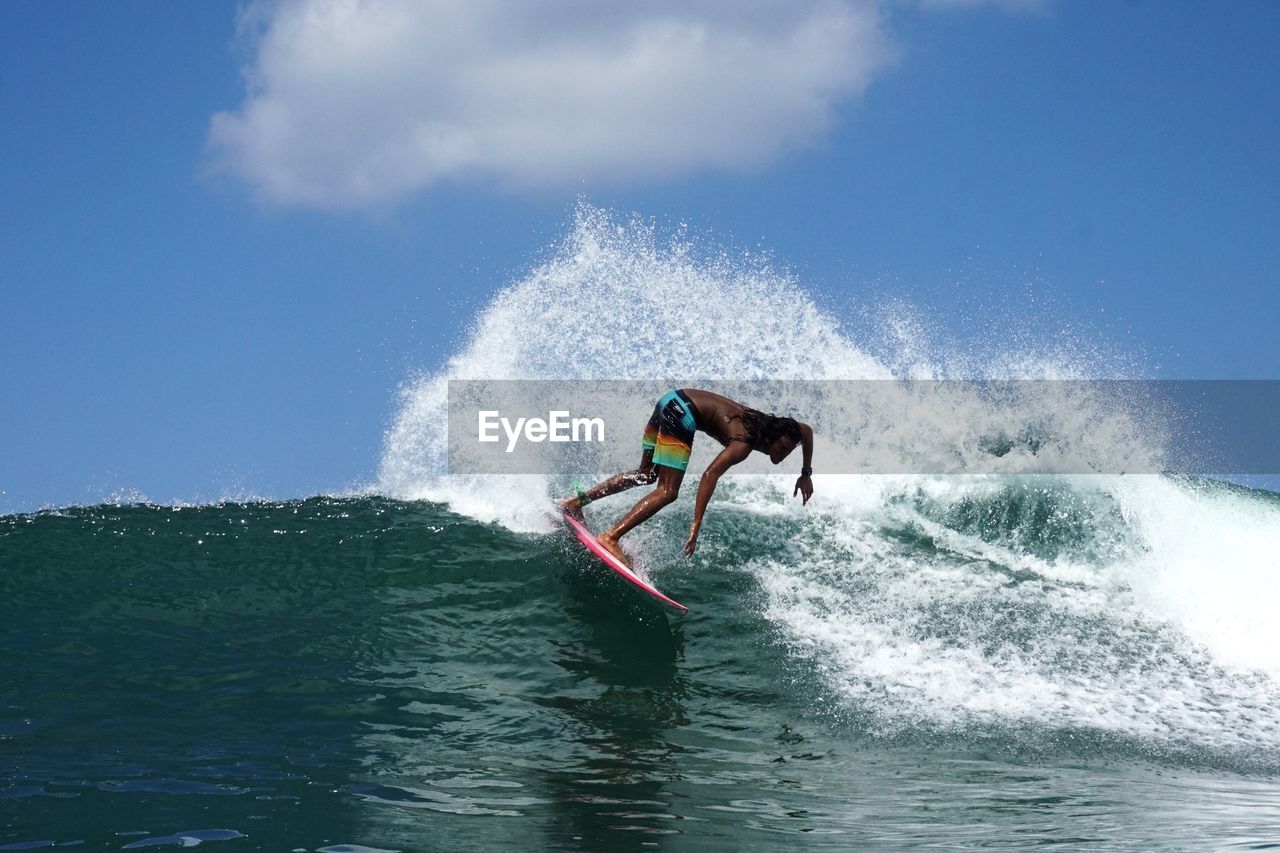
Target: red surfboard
{"x":588,"y":539}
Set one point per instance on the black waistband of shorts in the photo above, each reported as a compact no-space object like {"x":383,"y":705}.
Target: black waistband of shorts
{"x":693,"y":410}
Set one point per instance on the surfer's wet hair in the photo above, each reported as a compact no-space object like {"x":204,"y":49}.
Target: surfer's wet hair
{"x":764,"y":428}
{"x":778,"y":426}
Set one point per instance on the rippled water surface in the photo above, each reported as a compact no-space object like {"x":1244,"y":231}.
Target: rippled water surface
{"x":367,"y":672}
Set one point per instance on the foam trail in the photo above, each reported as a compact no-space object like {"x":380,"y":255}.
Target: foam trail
{"x":1140,"y":607}
{"x":975,"y":629}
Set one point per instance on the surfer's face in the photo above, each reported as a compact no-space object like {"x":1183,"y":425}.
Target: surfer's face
{"x":781,"y":448}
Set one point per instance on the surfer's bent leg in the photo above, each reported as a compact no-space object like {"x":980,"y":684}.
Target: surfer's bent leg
{"x":667,"y":490}
{"x":643,"y":475}
{"x":672,"y":441}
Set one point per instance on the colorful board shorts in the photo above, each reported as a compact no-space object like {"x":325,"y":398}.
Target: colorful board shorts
{"x":669,"y":433}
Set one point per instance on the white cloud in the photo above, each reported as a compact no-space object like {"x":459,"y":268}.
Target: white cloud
{"x":360,"y":103}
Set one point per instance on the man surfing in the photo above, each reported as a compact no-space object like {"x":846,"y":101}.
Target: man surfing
{"x":668,"y":441}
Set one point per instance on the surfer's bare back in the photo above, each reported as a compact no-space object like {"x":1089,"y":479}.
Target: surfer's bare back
{"x":668,"y":441}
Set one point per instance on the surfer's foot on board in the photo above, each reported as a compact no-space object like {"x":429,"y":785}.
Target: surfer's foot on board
{"x":573,"y":507}
{"x":611,"y":545}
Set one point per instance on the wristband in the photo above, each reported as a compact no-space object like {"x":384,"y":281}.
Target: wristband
{"x":583,"y":500}
{"x":806,"y":472}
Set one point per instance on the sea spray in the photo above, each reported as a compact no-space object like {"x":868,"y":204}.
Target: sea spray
{"x":1133,"y":606}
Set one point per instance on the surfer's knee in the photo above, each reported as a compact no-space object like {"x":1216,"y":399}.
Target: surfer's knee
{"x":646,"y":476}
{"x":667,"y":493}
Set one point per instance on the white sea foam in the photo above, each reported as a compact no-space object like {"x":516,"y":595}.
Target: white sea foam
{"x":1133,"y":605}
{"x":969,"y":631}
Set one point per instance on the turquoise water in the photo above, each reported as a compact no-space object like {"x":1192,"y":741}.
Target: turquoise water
{"x":1009,"y":660}
{"x":329,"y":672}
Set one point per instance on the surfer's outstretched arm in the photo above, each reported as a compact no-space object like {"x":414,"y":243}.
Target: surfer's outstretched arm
{"x":733,"y":453}
{"x":804,"y":485}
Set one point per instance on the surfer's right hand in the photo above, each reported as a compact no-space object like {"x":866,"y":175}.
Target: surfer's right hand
{"x":804,"y":488}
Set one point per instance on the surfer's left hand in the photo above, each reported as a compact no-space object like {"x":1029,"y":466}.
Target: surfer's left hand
{"x":804,"y":488}
{"x":691,"y":544}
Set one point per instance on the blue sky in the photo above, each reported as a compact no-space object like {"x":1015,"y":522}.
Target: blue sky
{"x":196,"y":307}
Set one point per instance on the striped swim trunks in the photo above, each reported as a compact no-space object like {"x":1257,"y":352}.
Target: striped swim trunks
{"x":669,"y":433}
